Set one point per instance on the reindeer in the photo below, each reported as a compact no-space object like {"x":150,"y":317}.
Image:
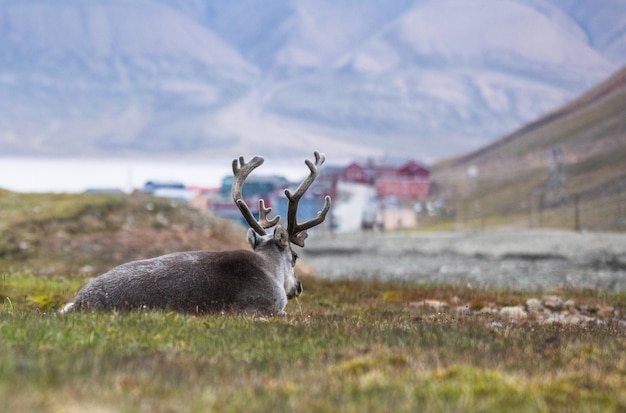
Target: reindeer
{"x":257,"y":282}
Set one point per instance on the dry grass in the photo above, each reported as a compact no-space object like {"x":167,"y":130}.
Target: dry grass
{"x":346,"y":346}
{"x":591,"y":134}
{"x":85,"y":233}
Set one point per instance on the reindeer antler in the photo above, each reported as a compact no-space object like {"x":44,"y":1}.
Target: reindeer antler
{"x":297,"y":232}
{"x":241,"y":171}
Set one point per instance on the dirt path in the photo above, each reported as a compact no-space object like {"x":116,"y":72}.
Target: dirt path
{"x":527,"y":260}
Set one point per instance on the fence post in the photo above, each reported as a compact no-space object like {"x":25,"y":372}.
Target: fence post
{"x":576,"y":213}
{"x":465,"y":214}
{"x":530,"y":209}
{"x":542,"y":197}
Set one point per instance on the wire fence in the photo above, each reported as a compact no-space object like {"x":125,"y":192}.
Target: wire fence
{"x":577,"y":211}
{"x":603,"y":213}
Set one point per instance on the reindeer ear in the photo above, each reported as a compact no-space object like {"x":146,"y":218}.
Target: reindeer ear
{"x":281,"y":237}
{"x":253,"y":238}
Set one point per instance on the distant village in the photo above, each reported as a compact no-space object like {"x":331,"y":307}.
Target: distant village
{"x":384,"y":194}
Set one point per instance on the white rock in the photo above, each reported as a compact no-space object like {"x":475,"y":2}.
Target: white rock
{"x":434,"y":304}
{"x":534,"y":304}
{"x":463,"y":310}
{"x":553,"y":302}
{"x":513,"y":313}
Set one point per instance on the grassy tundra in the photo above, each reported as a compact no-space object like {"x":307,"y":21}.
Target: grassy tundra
{"x":345,"y":346}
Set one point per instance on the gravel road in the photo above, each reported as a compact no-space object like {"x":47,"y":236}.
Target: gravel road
{"x":538,"y":260}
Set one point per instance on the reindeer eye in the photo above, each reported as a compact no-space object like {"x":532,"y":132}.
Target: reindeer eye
{"x":294,"y":257}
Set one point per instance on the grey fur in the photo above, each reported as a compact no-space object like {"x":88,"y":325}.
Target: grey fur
{"x":253,"y":282}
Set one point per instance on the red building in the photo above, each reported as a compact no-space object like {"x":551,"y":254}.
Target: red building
{"x":357,"y":173}
{"x":408,"y":181}
{"x":401,"y":179}
{"x":404,"y":180}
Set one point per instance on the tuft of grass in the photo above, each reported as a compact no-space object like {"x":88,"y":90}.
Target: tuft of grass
{"x":346,"y":346}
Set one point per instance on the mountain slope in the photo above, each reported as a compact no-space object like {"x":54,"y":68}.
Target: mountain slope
{"x":89,"y":77}
{"x":354,"y":78}
{"x":605,"y":29}
{"x":443,"y":75}
{"x":587,"y":136}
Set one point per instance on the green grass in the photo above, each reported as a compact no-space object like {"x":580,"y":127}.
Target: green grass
{"x":346,"y":346}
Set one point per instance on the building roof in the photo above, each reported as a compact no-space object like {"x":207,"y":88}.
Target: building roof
{"x":396,"y":163}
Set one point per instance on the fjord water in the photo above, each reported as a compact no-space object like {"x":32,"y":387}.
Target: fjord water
{"x":31,"y":174}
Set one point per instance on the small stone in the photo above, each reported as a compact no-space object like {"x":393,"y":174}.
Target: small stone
{"x":495,"y":325}
{"x":538,"y":316}
{"x":513,"y":313}
{"x":434,"y":304}
{"x":587,"y":320}
{"x":589,"y":309}
{"x":534,"y":304}
{"x":463,"y":310}
{"x":555,"y":318}
{"x":553,"y":302}
{"x":606,"y":311}
{"x":570,"y":305}
{"x":575,"y":320}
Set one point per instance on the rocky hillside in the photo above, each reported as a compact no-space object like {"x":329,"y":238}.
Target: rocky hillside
{"x":89,"y":234}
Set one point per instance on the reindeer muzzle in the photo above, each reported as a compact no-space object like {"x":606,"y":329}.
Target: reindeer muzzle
{"x":296,"y":291}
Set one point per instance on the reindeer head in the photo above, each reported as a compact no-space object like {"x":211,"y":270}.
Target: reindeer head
{"x":275,"y":247}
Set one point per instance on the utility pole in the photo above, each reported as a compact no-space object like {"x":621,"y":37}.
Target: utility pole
{"x":555,"y":185}
{"x":576,"y":213}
